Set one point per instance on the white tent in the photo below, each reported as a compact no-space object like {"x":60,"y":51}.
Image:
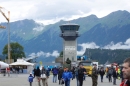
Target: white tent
{"x":21,"y":62}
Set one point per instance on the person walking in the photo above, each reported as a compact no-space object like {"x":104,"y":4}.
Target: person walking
{"x":8,"y":71}
{"x":48,"y":70}
{"x":4,"y":71}
{"x":44,"y":76}
{"x":106,"y":71}
{"x":119,"y":72}
{"x":101,"y":72}
{"x":94,"y":75}
{"x":55,"y":72}
{"x":66,"y":76}
{"x":84,"y":78}
{"x":121,"y":75}
{"x":114,"y":76}
{"x":126,"y":72}
{"x":60,"y":74}
{"x":110,"y":72}
{"x":73,"y":72}
{"x":34,"y":71}
{"x":81,"y":72}
{"x":37,"y":74}
{"x":76,"y":75}
{"x":30,"y":79}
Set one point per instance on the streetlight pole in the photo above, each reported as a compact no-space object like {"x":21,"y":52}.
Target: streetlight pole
{"x":9,"y":60}
{"x":8,"y":19}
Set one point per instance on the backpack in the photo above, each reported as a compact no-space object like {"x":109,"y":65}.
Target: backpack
{"x":55,"y":71}
{"x":110,"y":71}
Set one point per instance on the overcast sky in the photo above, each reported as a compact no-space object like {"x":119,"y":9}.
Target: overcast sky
{"x":50,"y":11}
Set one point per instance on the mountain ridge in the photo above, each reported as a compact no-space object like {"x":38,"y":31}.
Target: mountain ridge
{"x":113,"y":27}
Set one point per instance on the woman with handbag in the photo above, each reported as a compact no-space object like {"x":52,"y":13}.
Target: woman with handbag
{"x":44,"y":76}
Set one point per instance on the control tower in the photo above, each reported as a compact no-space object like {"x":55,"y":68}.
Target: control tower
{"x":69,"y":33}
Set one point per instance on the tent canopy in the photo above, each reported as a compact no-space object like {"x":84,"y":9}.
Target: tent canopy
{"x":21,"y":62}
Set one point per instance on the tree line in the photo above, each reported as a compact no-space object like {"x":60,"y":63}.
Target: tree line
{"x":103,"y":55}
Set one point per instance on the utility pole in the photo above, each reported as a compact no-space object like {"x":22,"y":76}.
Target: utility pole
{"x":8,"y":20}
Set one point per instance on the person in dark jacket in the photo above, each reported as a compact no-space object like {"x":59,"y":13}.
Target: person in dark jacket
{"x":55,"y":72}
{"x":114,"y":76}
{"x":38,"y":74}
{"x":110,"y":72}
{"x":76,"y":75}
{"x":101,"y":72}
{"x":60,"y":74}
{"x":30,"y":79}
{"x":121,"y":75}
{"x":34,"y":71}
{"x":48,"y":70}
{"x":73,"y":72}
{"x":81,"y":73}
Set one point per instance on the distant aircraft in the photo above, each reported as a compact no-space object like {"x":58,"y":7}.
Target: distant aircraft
{"x":3,"y":65}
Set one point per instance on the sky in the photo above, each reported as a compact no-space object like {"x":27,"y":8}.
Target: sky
{"x":51,"y":11}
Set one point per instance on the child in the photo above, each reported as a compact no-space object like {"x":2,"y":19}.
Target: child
{"x":30,"y":79}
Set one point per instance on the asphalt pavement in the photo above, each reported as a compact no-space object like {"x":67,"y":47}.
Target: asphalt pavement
{"x":22,"y":80}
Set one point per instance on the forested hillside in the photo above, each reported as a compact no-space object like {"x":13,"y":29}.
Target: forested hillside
{"x":103,"y":55}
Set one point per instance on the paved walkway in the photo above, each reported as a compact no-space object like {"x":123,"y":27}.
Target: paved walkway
{"x":21,"y":80}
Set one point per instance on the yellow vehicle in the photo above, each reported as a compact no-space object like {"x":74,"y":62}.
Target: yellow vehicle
{"x":88,"y":66}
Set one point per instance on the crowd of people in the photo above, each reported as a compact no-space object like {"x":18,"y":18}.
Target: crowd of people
{"x":11,"y":70}
{"x":65,"y":76}
{"x":60,"y":75}
{"x":113,"y":73}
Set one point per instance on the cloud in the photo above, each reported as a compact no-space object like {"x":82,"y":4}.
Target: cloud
{"x":83,"y":46}
{"x":43,"y":54}
{"x":51,"y":11}
{"x":119,"y":45}
{"x":91,"y":45}
{"x":112,"y":46}
{"x":24,"y":33}
{"x":39,"y":28}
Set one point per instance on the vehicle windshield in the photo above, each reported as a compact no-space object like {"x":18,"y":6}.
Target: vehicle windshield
{"x":86,"y":63}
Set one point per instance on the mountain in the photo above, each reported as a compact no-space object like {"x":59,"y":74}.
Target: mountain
{"x":37,"y":37}
{"x":104,"y":55}
{"x":114,"y":27}
{"x":20,"y":31}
